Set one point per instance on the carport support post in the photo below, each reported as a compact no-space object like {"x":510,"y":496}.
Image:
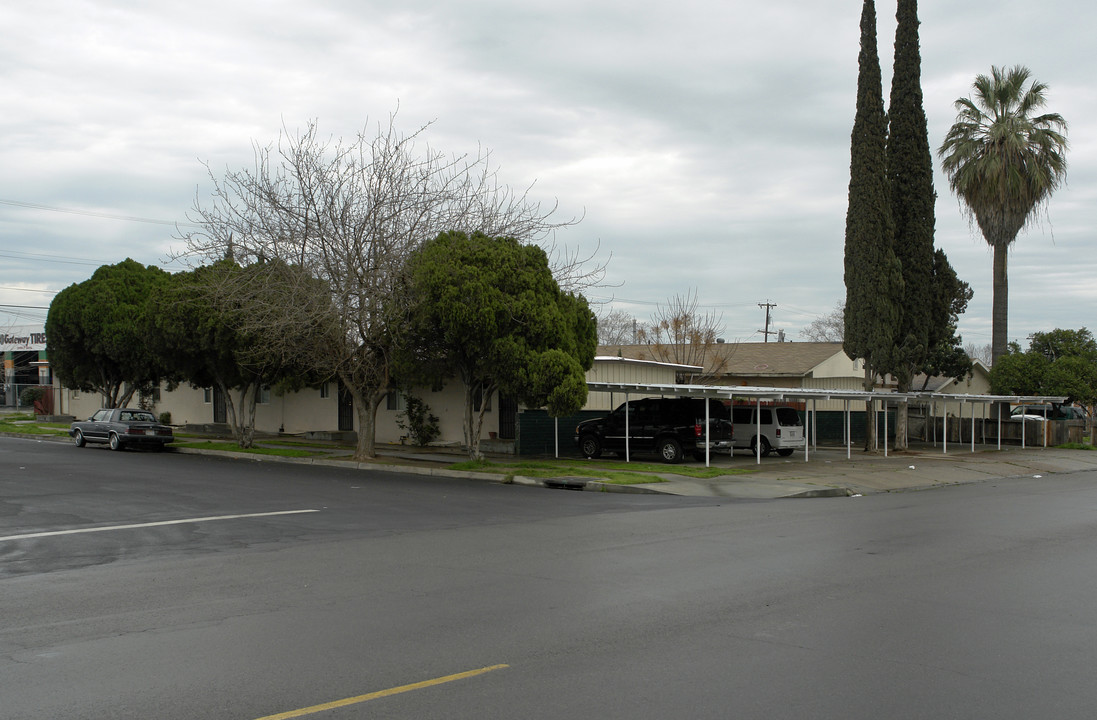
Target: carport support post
{"x":707,"y":439}
{"x":933,"y":420}
{"x":556,"y":439}
{"x":847,"y":430}
{"x":758,"y":429}
{"x":885,"y":428}
{"x":626,"y":428}
{"x":973,"y":427}
{"x":814,"y":426}
{"x":875,"y":425}
{"x":807,"y":424}
{"x":944,"y":427}
{"x":999,"y":425}
{"x":1024,"y":411}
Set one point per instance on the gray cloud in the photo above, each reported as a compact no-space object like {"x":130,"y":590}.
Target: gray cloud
{"x":707,"y":143}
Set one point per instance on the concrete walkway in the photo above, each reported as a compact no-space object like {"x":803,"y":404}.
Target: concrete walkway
{"x":829,"y":473}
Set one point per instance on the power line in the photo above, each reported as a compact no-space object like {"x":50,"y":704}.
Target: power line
{"x":49,"y":258}
{"x":92,"y":213}
{"x":51,"y":292}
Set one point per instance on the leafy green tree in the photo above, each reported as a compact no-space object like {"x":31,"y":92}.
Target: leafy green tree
{"x":96,"y":332}
{"x":1059,"y":362}
{"x":946,"y":357}
{"x":1019,"y":373}
{"x":1059,"y":343}
{"x":1003,"y":162}
{"x":487,"y":311}
{"x":910,"y":177}
{"x":204,"y":340}
{"x":873,"y":276}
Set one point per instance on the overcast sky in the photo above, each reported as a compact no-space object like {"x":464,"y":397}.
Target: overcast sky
{"x":705,"y":143}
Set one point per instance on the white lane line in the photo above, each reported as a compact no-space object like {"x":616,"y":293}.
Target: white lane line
{"x":106,"y":528}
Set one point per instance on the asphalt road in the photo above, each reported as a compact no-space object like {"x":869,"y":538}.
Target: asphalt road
{"x":415,"y":597}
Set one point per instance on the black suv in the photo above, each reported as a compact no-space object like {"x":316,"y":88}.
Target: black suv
{"x":667,"y":427}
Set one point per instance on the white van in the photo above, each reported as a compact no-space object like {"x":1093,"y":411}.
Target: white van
{"x":781,"y":429}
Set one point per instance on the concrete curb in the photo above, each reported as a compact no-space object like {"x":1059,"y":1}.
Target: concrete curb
{"x":823,"y":493}
{"x":861,"y":477}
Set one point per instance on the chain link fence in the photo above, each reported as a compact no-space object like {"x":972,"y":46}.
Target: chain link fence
{"x":27,"y":397}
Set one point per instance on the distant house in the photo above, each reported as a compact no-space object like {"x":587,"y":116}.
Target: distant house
{"x":795,"y":365}
{"x":791,"y":365}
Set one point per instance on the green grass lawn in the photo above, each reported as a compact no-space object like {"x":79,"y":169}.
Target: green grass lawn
{"x":615,"y":472}
{"x":233,"y":447}
{"x":25,"y":424}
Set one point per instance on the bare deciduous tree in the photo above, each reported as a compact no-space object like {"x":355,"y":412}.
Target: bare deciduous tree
{"x":827,"y":328}
{"x":679,"y":333}
{"x":616,"y":327}
{"x":982,"y":353}
{"x":347,"y":215}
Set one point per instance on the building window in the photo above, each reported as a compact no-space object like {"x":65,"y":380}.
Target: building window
{"x":264,"y":395}
{"x":207,"y":395}
{"x":478,"y":398}
{"x":325,"y":391}
{"x":395,"y":401}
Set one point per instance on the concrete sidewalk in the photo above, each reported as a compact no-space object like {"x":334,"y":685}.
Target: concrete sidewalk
{"x":829,"y":473}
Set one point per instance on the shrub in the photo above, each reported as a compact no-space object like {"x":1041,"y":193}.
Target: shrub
{"x":421,"y":424}
{"x":31,"y":395}
{"x":165,"y":418}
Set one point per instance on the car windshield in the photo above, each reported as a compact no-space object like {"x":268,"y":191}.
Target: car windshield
{"x":136,"y":416}
{"x":1040,"y":410}
{"x":788,"y":417}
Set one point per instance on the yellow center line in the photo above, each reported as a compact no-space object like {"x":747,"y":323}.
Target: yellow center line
{"x":381,"y":693}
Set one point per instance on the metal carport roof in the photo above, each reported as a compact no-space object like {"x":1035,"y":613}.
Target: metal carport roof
{"x":727,"y":392}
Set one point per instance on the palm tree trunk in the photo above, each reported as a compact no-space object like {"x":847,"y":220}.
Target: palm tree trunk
{"x":1000,"y":307}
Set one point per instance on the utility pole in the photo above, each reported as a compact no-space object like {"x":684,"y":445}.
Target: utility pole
{"x":767,"y":332}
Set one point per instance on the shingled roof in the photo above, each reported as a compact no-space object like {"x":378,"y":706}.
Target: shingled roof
{"x":787,"y":359}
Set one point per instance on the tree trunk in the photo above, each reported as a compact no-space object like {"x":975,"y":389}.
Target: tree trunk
{"x":365,"y":407}
{"x":474,"y":420}
{"x":902,"y":423}
{"x":870,"y":411}
{"x":1000,"y":308}
{"x":243,"y":426}
{"x":247,"y":427}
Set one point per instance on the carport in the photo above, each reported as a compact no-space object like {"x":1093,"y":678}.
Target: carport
{"x":758,"y":394}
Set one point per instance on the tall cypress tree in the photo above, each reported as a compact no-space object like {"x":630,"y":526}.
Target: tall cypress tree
{"x":910,"y":176}
{"x":872,"y":273}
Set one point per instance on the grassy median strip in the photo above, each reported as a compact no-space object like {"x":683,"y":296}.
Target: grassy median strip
{"x":619,"y":473}
{"x":233,"y":447}
{"x":25,"y":424}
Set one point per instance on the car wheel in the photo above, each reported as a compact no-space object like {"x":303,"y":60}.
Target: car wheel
{"x":754,"y":446}
{"x":670,"y":450}
{"x":590,"y":446}
{"x":78,"y":439}
{"x":115,"y":442}
{"x":784,"y":452}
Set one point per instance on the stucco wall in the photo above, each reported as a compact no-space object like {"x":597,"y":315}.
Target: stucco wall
{"x":838,"y":366}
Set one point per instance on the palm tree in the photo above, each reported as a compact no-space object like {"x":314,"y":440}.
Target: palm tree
{"x":1003,"y":163}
